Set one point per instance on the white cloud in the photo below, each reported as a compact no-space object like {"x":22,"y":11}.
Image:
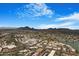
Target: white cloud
{"x":41,"y":9}
{"x":71,"y":21}
{"x":35,"y":10}
{"x":74,"y":16}
{"x":73,"y":27}
{"x":59,"y":25}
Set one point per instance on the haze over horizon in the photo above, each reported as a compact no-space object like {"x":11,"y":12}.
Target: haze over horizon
{"x":40,"y":15}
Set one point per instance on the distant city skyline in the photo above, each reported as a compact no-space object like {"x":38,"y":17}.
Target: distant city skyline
{"x":40,"y":15}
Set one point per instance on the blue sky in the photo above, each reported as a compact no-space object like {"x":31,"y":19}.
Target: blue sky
{"x":40,"y":15}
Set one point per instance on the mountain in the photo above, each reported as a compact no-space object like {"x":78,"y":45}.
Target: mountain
{"x":51,"y":28}
{"x":25,"y":28}
{"x":58,"y":29}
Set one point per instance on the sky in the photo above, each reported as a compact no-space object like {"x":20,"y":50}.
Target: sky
{"x":40,"y":15}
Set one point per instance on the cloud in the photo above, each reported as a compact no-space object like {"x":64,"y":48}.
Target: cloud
{"x":74,"y":16}
{"x":35,"y":10}
{"x":58,"y":25}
